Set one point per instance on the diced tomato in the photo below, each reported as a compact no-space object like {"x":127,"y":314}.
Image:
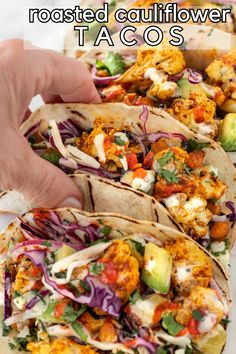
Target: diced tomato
{"x":34,"y":270}
{"x":107,"y":143}
{"x":129,"y":99}
{"x":109,"y":273}
{"x":164,"y":307}
{"x":199,"y":114}
{"x":183,"y":332}
{"x":113,"y":93}
{"x":140,"y":173}
{"x":59,"y":309}
{"x":193,"y":327}
{"x":164,"y":190}
{"x":131,"y":343}
{"x":195,"y":159}
{"x":148,"y":160}
{"x":140,"y":101}
{"x":37,"y":285}
{"x":131,"y":160}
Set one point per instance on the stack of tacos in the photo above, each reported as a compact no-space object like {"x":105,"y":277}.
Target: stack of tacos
{"x":144,"y":269}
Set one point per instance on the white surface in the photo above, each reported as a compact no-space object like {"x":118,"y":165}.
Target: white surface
{"x":5,"y":219}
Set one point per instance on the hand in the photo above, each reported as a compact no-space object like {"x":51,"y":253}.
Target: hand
{"x":24,"y":74}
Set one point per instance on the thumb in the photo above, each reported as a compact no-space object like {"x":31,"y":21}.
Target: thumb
{"x":38,"y":180}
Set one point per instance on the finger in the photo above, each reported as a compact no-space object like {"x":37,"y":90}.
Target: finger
{"x":38,"y":180}
{"x":66,"y":77}
{"x":49,"y":98}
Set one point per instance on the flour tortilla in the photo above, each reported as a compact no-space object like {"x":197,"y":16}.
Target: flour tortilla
{"x":156,"y":233}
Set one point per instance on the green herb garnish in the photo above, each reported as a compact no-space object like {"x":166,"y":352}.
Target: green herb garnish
{"x":162,"y":350}
{"x":135,"y":297}
{"x":105,"y":230}
{"x":165,"y":158}
{"x":169,"y":176}
{"x":194,"y":145}
{"x":77,"y":327}
{"x":84,"y":285}
{"x":5,"y":329}
{"x":119,"y":141}
{"x":47,"y":244}
{"x":197,"y":315}
{"x":225,"y":322}
{"x":169,"y":323}
{"x":52,"y":156}
{"x":96,"y":268}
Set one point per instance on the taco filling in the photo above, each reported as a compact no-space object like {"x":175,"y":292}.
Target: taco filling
{"x":72,"y":286}
{"x":158,"y":77}
{"x":164,"y":165}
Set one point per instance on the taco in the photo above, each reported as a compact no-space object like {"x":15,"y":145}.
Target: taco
{"x":81,"y":283}
{"x":149,"y":151}
{"x":194,"y":83}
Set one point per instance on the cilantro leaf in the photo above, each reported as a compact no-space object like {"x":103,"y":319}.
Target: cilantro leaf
{"x":194,"y":145}
{"x":169,"y":176}
{"x":5,"y":329}
{"x":105,"y":230}
{"x":135,"y":297}
{"x":52,"y":156}
{"x":70,"y":314}
{"x":225,"y":322}
{"x":119,"y":141}
{"x":114,"y":63}
{"x":166,"y":158}
{"x":96,"y":268}
{"x":47,"y":244}
{"x":197,"y":315}
{"x":162,"y":350}
{"x":84,"y":285}
{"x":77,"y":327}
{"x":187,"y":169}
{"x":169,"y":323}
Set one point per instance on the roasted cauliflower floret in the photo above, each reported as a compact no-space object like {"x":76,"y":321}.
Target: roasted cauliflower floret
{"x":161,"y":88}
{"x":197,"y":113}
{"x":121,"y":270}
{"x":191,"y":266}
{"x":207,"y":302}
{"x":59,"y":346}
{"x":222,"y":72}
{"x":26,"y":277}
{"x":163,"y":57}
{"x":209,"y":186}
{"x":192,"y":214}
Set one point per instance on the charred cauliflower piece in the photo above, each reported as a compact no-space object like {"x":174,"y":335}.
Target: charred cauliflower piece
{"x":222,"y":72}
{"x":58,"y":346}
{"x":191,"y":267}
{"x":205,"y":300}
{"x":164,"y":57}
{"x":121,"y":270}
{"x":26,"y":277}
{"x":197,"y":113}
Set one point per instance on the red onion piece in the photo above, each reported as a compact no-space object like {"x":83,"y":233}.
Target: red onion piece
{"x":232,"y":215}
{"x":144,"y":117}
{"x":7,"y":294}
{"x":32,"y":130}
{"x":36,"y":299}
{"x":102,"y":81}
{"x":219,"y":218}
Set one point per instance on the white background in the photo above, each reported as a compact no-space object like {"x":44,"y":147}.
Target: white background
{"x":13,"y":24}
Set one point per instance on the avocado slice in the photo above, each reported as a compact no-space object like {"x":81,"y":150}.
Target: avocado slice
{"x":157,"y":268}
{"x":63,"y":252}
{"x":185,"y":88}
{"x":227,"y":132}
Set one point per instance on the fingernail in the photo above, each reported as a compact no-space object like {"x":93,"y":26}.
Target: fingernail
{"x":71,"y":202}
